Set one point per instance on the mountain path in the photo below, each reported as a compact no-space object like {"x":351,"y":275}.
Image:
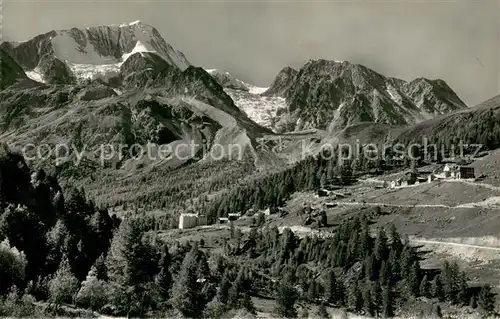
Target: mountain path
{"x":437,"y":242}
{"x":398,"y":205}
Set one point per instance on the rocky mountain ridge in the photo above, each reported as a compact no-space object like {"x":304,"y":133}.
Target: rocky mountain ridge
{"x":332,"y":95}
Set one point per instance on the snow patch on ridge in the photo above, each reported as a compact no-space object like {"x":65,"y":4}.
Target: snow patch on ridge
{"x":139,"y":48}
{"x":131,"y":23}
{"x":394,"y":94}
{"x":35,"y":75}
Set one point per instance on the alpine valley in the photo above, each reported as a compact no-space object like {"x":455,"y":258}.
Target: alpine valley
{"x":311,"y":228}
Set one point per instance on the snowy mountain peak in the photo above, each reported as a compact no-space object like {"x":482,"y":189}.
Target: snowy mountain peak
{"x":95,"y":51}
{"x":131,"y":23}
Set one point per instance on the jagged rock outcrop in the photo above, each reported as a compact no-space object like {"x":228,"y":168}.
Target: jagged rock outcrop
{"x":282,"y":82}
{"x":143,"y":68}
{"x":332,"y":95}
{"x":11,"y":72}
{"x":96,"y":93}
{"x":435,"y":96}
{"x":143,"y":61}
{"x":54,"y":71}
{"x":228,"y":81}
{"x":192,"y":82}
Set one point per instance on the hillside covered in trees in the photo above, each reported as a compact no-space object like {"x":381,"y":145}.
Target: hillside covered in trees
{"x":58,"y":249}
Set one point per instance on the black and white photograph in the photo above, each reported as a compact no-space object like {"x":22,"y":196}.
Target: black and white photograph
{"x":250,"y":159}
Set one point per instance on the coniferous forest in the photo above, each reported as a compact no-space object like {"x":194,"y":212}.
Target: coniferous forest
{"x":62,"y":255}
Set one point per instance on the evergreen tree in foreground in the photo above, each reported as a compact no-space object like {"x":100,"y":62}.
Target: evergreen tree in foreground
{"x":425,"y":287}
{"x":486,"y":300}
{"x":186,"y":290}
{"x":164,"y":278}
{"x":286,"y":296}
{"x":387,"y":302}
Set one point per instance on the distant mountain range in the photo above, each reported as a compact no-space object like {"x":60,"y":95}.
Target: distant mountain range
{"x":332,"y":95}
{"x":323,"y":94}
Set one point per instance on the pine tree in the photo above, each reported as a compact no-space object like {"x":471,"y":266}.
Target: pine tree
{"x":286,"y":296}
{"x":236,"y":290}
{"x":186,"y":290}
{"x":486,"y":300}
{"x":331,"y":287}
{"x":376,"y":297}
{"x":261,"y":219}
{"x":394,"y":268}
{"x":437,"y":288}
{"x":425,"y":287}
{"x":381,"y":251}
{"x":450,"y":280}
{"x":396,"y":244}
{"x":323,"y":219}
{"x":225,"y":285}
{"x":387,"y":302}
{"x":64,"y":286}
{"x":406,"y":261}
{"x":101,"y":269}
{"x":368,"y":301}
{"x":355,"y":297}
{"x":385,"y":272}
{"x":462,"y":295}
{"x":365,"y":242}
{"x":312,"y":292}
{"x":132,"y":264}
{"x":164,"y":278}
{"x":414,"y":278}
{"x":370,"y":269}
{"x":341,"y":294}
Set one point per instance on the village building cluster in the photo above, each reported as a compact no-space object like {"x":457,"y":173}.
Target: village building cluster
{"x":449,"y":171}
{"x":187,"y":221}
{"x":191,"y":220}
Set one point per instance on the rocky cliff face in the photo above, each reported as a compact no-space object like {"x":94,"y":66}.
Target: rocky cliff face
{"x":54,"y":71}
{"x":11,"y":72}
{"x":332,"y":95}
{"x":282,"y":82}
{"x":228,"y":81}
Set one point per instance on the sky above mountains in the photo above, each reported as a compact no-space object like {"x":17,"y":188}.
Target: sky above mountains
{"x":458,"y":41}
